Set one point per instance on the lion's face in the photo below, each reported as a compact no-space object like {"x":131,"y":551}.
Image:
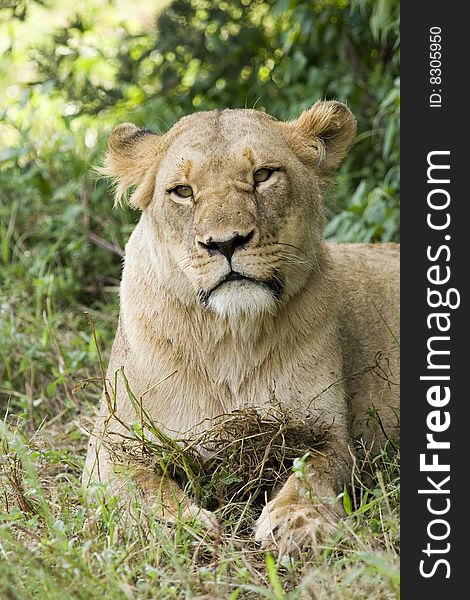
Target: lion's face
{"x":235,"y":198}
{"x":223,"y":206}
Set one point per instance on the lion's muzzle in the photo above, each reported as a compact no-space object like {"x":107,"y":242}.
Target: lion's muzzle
{"x":226,"y":246}
{"x":243,"y":283}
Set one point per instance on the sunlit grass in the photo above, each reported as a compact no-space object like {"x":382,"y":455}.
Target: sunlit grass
{"x":56,"y":539}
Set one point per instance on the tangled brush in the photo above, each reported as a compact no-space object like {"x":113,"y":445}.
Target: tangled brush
{"x":241,"y":457}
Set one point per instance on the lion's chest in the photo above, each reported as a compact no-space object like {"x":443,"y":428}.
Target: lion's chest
{"x":199,"y":391}
{"x":244,"y":379}
{"x":188,"y":380}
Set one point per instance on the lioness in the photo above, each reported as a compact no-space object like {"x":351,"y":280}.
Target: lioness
{"x":230,"y":298}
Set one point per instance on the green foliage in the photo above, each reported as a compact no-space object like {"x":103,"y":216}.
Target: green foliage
{"x":277,"y":55}
{"x":16,"y":9}
{"x":56,"y":543}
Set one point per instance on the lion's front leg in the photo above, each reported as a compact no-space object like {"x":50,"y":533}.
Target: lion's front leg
{"x":133,"y":485}
{"x":169,"y":501}
{"x":306,"y":509}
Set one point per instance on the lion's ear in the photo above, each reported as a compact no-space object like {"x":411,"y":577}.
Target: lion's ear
{"x":330,"y":127}
{"x":132,"y":160}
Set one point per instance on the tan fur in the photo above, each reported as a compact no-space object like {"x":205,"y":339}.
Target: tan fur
{"x":325,"y":340}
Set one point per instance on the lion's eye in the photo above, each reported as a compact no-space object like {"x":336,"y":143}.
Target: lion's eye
{"x":262,"y":175}
{"x":183,"y":191}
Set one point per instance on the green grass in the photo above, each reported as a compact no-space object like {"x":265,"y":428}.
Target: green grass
{"x":56,"y":543}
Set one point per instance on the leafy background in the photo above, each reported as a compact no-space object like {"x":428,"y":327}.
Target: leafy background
{"x":69,"y":72}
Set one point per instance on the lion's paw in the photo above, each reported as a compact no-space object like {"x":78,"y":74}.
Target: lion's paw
{"x":292,"y":528}
{"x":205,"y":517}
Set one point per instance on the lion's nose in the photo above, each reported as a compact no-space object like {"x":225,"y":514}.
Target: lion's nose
{"x":226,"y":247}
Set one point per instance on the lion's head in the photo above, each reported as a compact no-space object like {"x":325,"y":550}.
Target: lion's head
{"x":233,"y":200}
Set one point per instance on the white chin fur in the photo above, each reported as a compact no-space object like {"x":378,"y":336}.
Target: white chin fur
{"x":242,"y":298}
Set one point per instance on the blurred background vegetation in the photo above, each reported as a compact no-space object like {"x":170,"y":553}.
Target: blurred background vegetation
{"x":70,"y":71}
